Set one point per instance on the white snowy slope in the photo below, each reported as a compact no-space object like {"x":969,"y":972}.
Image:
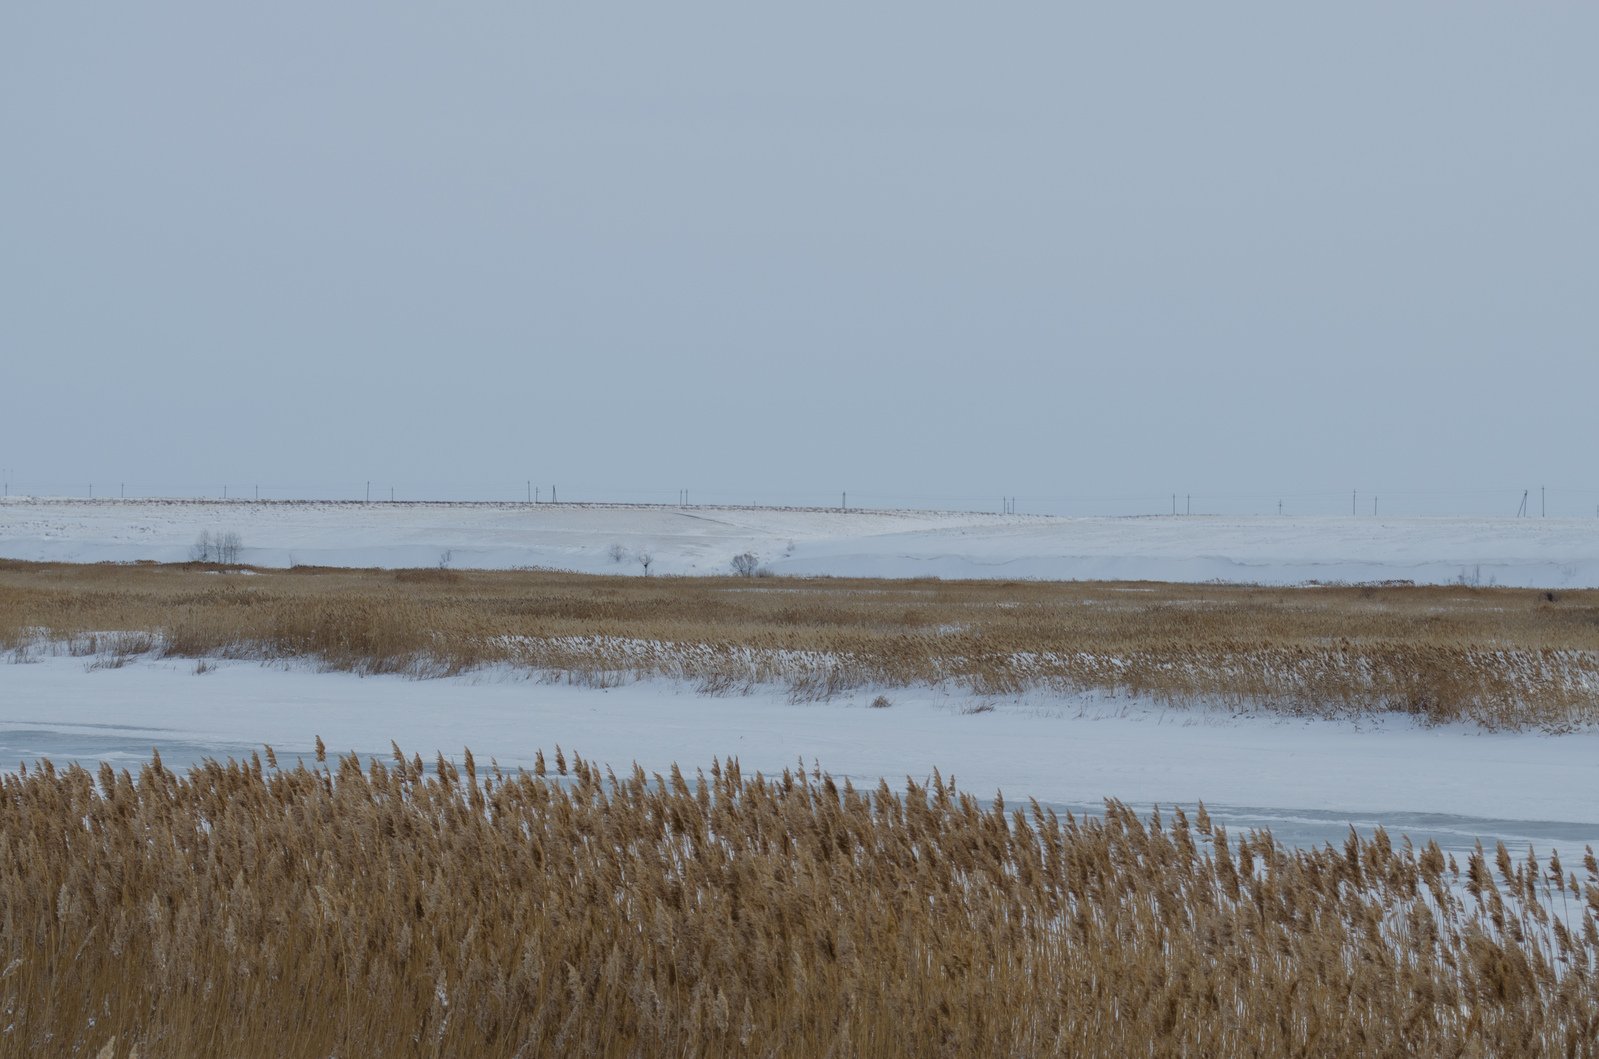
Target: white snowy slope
{"x":1307,"y":780}
{"x":1528,"y":552}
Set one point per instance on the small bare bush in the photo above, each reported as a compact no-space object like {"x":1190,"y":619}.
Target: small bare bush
{"x":223,"y":547}
{"x":745,"y":564}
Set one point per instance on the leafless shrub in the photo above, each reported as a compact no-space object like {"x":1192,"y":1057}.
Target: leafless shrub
{"x":223,"y":547}
{"x":745,"y":564}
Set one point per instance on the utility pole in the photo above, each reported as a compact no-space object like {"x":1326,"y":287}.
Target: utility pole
{"x":1189,"y":508}
{"x":1543,"y":505}
{"x":1279,"y":507}
{"x":1352,"y":494}
{"x":122,"y":490}
{"x":843,"y":501}
{"x":258,"y":492}
{"x":391,"y":494}
{"x":369,"y":492}
{"x":1174,"y":503}
{"x":530,"y":490}
{"x":552,"y":495}
{"x":224,"y":492}
{"x":1373,"y":507}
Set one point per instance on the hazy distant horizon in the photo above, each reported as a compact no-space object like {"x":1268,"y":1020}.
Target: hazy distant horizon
{"x":1531,"y":502}
{"x":927,"y":255}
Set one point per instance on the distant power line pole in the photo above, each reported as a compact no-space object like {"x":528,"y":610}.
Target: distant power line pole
{"x":1543,"y":506}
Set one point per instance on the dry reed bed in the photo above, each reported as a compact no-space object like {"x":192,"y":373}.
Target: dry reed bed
{"x":337,"y":909}
{"x":1498,"y":657}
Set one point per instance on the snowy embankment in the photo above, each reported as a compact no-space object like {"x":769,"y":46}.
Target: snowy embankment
{"x":1527,"y":552}
{"x":1308,"y":780}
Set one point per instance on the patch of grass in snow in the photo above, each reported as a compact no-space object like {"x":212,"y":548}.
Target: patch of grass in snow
{"x":1504,"y":658}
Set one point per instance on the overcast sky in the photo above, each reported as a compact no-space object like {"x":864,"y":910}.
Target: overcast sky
{"x":918,"y":251}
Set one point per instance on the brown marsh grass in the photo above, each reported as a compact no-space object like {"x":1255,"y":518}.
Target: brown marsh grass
{"x":1496,"y":657}
{"x":374,"y":909}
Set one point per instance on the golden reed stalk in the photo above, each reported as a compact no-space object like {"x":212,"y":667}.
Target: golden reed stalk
{"x":345,"y":908}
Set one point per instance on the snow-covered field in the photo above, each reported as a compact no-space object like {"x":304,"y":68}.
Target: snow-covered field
{"x":1531,"y":552}
{"x":1307,"y":780}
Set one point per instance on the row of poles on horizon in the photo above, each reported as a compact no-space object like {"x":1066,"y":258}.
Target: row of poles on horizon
{"x":1354,"y":504}
{"x":1009,"y":505}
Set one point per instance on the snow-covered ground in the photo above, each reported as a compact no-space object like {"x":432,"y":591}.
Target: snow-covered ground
{"x":1529,"y":552}
{"x":1307,"y":780}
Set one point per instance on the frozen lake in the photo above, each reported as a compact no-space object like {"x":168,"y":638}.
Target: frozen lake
{"x":1308,"y":781}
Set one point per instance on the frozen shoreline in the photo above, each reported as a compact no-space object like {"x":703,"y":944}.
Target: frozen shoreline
{"x":1308,"y":780}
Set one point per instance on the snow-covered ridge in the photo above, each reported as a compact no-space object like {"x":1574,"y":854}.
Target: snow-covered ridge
{"x":1525,"y":552}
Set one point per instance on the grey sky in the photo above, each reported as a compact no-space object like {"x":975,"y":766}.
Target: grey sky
{"x":913,"y":250}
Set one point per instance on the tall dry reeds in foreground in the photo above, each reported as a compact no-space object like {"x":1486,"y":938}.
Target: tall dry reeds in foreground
{"x":346,"y":910}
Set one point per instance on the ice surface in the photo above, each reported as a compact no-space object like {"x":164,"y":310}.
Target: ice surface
{"x":1307,"y":780}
